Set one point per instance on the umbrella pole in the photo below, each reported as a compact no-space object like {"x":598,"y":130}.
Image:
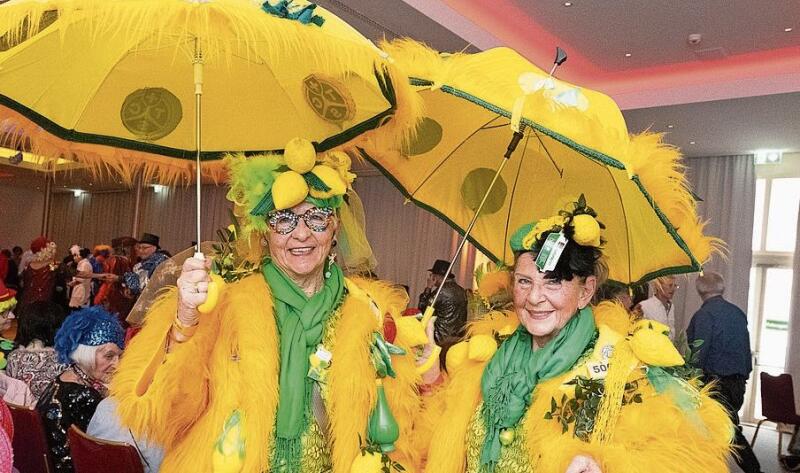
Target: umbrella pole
{"x":512,"y":145}
{"x":198,"y":95}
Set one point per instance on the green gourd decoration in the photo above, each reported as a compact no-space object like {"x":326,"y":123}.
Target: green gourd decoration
{"x":383,"y":429}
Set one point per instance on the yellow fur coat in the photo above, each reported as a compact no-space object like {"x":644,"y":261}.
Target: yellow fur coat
{"x":653,"y":435}
{"x":182,"y":400}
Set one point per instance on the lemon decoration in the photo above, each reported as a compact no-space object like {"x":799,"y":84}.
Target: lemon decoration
{"x":456,"y":356}
{"x":410,"y":331}
{"x":369,"y":462}
{"x":300,"y":155}
{"x":289,"y":190}
{"x":331,"y":178}
{"x":651,"y":344}
{"x":482,"y":347}
{"x":215,"y":288}
{"x":228,"y":455}
{"x":587,"y":230}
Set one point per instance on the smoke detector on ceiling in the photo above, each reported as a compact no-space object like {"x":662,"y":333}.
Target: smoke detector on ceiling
{"x":694,"y":39}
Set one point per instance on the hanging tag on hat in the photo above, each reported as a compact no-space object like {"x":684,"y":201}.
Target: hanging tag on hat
{"x":551,"y":251}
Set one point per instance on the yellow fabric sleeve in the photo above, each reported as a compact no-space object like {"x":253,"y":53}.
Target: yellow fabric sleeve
{"x":161,"y":395}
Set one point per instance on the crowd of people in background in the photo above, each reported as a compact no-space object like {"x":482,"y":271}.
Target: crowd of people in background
{"x":63,"y":327}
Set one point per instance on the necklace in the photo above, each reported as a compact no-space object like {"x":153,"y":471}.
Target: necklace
{"x":87,"y":380}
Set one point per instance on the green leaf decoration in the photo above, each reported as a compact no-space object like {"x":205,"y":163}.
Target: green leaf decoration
{"x":315,"y":182}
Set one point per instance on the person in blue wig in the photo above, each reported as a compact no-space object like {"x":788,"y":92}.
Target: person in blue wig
{"x":90,"y":341}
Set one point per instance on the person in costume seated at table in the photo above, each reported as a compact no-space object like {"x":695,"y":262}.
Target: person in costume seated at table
{"x":290,"y":368}
{"x":557,"y":385}
{"x":91,"y":341}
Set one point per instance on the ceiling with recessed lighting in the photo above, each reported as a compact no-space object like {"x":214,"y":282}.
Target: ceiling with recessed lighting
{"x":736,"y":91}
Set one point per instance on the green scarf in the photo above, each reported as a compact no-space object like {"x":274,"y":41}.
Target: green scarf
{"x":514,"y":371}
{"x":300,"y":325}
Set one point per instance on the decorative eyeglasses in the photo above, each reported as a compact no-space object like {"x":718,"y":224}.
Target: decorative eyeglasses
{"x":285,"y":221}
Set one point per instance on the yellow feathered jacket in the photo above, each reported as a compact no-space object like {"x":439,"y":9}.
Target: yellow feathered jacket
{"x":654,"y":435}
{"x":183,"y":399}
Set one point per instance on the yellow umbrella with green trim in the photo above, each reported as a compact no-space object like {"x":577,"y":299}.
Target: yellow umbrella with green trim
{"x":574,"y":142}
{"x":112,"y":82}
{"x":117,"y":84}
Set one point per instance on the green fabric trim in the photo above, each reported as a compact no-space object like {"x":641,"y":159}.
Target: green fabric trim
{"x":384,"y":82}
{"x":511,"y":376}
{"x":301,"y":321}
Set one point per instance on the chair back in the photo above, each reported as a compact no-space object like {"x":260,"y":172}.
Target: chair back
{"x":93,"y":455}
{"x":30,"y":443}
{"x":777,"y":398}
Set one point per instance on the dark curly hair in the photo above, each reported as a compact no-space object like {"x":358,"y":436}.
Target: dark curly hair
{"x":576,"y":260}
{"x":39,"y":321}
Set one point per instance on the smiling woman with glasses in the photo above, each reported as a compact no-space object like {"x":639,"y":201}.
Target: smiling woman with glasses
{"x":294,"y":357}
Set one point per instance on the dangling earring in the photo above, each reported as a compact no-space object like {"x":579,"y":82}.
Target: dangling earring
{"x":331,"y":261}
{"x":264,"y":241}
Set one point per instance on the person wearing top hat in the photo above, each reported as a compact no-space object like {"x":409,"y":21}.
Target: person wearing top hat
{"x":149,"y":250}
{"x":451,"y":306}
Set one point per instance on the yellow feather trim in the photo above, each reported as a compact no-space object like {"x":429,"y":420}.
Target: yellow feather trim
{"x":232,"y":362}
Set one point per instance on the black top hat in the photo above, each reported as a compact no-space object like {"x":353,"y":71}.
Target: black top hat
{"x":150,"y":239}
{"x":440,"y":268}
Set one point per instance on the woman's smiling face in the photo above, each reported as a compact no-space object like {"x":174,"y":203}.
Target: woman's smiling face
{"x":544,"y":306}
{"x":302,"y":251}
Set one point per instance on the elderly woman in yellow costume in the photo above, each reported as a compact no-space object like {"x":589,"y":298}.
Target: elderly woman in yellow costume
{"x":285,"y":372}
{"x":557,"y":385}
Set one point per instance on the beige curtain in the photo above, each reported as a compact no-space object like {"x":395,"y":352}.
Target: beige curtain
{"x":727,"y":186}
{"x":793,"y":346}
{"x":170,"y":214}
{"x":89,"y":219}
{"x":406,"y":239}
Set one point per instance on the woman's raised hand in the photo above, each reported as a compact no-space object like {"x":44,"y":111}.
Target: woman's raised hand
{"x":192,"y":288}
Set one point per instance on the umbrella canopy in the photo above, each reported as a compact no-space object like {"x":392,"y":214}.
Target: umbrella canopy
{"x":575,"y":142}
{"x":110,"y":82}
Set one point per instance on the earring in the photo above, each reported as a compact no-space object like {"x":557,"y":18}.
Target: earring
{"x":331,"y":260}
{"x":264,"y":241}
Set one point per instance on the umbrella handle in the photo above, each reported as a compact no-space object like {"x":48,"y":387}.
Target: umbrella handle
{"x":197,"y":62}
{"x":512,"y":146}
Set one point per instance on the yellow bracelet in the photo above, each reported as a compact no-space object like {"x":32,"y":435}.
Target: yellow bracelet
{"x":182,"y":332}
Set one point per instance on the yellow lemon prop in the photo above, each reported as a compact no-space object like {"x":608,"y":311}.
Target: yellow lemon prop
{"x":228,"y":455}
{"x":482,"y":347}
{"x":587,"y":230}
{"x":289,"y":190}
{"x":215,"y":288}
{"x":367,"y":463}
{"x":651,"y":344}
{"x":331,"y":178}
{"x":456,"y":356}
{"x":300,"y":155}
{"x":410,"y":331}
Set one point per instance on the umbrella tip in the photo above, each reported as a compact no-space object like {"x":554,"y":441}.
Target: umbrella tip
{"x":561,"y":57}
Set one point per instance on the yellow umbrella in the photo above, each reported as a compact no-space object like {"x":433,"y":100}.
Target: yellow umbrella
{"x":574,"y":142}
{"x":117,"y":84}
{"x":111,"y":82}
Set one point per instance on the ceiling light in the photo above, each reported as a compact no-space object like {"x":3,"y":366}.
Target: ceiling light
{"x":670,"y":126}
{"x":786,"y":30}
{"x":628,"y":54}
{"x":691,"y":142}
{"x":567,"y":4}
{"x":158,"y":188}
{"x":768,"y":156}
